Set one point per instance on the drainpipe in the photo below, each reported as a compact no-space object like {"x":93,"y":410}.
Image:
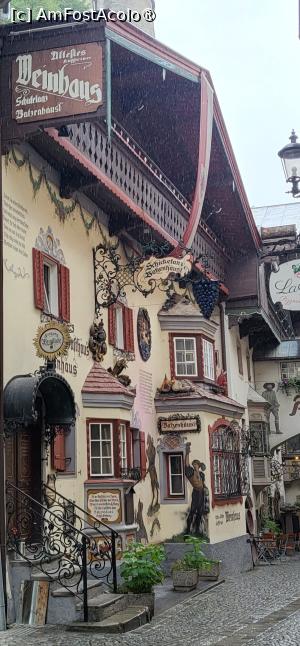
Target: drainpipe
{"x":222,"y":329}
{"x":3,"y":598}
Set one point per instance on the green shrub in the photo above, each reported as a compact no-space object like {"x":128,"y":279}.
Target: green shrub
{"x":141,"y":567}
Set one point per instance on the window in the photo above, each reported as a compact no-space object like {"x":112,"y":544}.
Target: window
{"x":50,"y":288}
{"x":185,"y":356}
{"x":120,"y":327}
{"x":123,"y":446}
{"x":226,"y":462}
{"x":192,"y":357}
{"x":208,"y":359}
{"x":290,"y":369}
{"x":259,"y":438}
{"x":51,"y":283}
{"x":175,"y":474}
{"x":63,"y":451}
{"x":239,"y":358}
{"x":101,"y":450}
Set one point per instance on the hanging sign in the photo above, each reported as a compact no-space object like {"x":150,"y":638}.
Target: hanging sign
{"x":285,"y":285}
{"x":57,"y":83}
{"x":52,"y":340}
{"x":157,"y":269}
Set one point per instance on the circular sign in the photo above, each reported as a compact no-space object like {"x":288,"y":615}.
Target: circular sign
{"x":52,"y":340}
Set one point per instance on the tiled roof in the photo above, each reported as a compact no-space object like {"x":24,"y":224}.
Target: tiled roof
{"x":100,"y":380}
{"x":197,"y":390}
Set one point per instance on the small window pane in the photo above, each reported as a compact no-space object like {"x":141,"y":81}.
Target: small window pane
{"x":105,"y":428}
{"x":96,"y":465}
{"x":189,"y":344}
{"x":95,"y":431}
{"x":179,"y":344}
{"x":95,"y":449}
{"x":106,"y":449}
{"x":106,"y":465}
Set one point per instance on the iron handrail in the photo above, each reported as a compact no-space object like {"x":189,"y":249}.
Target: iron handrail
{"x":83,"y":511}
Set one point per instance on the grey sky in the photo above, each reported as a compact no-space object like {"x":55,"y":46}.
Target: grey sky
{"x":252,"y":49}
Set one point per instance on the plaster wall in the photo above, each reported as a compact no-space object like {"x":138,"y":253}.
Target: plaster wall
{"x":21,"y":320}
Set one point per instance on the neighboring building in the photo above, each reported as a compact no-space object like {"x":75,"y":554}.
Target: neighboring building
{"x":85,"y":207}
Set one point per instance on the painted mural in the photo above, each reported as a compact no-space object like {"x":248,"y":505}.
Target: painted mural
{"x":200,"y":495}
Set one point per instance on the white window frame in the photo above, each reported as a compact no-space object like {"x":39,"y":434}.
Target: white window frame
{"x":100,"y":424}
{"x":119,"y":331}
{"x":208,"y":354}
{"x":123,"y":446}
{"x":291,"y":371}
{"x":51,"y":300}
{"x":185,"y":363}
{"x":169,"y":458}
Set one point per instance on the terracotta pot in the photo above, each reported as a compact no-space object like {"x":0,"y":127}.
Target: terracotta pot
{"x":209,"y":574}
{"x":185,"y":580}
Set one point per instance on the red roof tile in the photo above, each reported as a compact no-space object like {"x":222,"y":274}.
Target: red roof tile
{"x":100,"y":380}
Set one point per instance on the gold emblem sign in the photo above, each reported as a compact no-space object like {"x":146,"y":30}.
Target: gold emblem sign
{"x":52,"y":340}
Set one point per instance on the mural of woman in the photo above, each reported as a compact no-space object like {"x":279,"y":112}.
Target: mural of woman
{"x":151,"y":454}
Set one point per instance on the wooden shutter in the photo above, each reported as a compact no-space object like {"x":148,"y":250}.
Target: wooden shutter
{"x":38,"y":278}
{"x":128,"y":329}
{"x":117,"y":450}
{"x":143,"y":454}
{"x":58,"y":452}
{"x":112,"y":325}
{"x":64,"y":293}
{"x":129,"y":446}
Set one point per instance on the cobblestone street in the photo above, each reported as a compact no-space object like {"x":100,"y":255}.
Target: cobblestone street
{"x":261,"y":608}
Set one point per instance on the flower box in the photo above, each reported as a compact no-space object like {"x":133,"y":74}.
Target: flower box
{"x":211,"y":572}
{"x":185,"y":580}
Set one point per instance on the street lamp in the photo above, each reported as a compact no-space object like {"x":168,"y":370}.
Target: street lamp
{"x":290,"y":157}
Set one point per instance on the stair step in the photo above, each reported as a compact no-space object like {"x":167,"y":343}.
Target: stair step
{"x":102,"y":606}
{"x":120,"y":622}
{"x":63,"y":592}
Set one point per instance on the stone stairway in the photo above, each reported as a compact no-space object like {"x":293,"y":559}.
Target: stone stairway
{"x":112,"y":613}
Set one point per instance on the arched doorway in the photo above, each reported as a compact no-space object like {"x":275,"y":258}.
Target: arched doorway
{"x":34,"y":407}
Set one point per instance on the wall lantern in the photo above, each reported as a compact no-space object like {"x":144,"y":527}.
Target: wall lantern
{"x":290,"y":157}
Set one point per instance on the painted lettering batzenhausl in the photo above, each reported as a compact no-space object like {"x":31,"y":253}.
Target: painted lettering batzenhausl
{"x":285,"y":285}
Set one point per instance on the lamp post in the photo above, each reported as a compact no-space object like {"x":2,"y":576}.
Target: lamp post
{"x":290,"y":157}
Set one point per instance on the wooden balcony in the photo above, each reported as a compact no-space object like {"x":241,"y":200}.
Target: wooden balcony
{"x":129,"y":168}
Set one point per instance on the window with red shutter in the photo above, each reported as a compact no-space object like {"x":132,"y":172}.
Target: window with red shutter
{"x":38,"y":278}
{"x":128,"y":329}
{"x":58,"y":452}
{"x":112,"y":325}
{"x":64,"y":293}
{"x":143,"y":454}
{"x":129,"y":447}
{"x":117,"y":450}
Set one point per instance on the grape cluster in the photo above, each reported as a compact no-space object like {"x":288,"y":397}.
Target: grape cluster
{"x":206,"y":293}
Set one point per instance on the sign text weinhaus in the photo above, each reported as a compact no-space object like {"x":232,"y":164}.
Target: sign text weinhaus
{"x":57,"y":83}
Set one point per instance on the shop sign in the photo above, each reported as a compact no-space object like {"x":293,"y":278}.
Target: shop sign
{"x":285,"y":285}
{"x":158,"y":269}
{"x":179,"y":424}
{"x":52,"y":340}
{"x":56,"y":83}
{"x":105,"y":504}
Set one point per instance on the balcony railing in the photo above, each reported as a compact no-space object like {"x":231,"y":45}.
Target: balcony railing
{"x":130,"y":168}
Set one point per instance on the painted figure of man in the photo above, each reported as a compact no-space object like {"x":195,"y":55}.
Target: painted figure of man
{"x":200,"y":495}
{"x":270,"y":396}
{"x":151,"y":453}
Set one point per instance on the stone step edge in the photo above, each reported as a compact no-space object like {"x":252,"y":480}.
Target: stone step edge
{"x":120,"y":622}
{"x":63,"y":592}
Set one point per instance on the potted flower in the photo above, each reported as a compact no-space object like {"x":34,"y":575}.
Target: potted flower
{"x":208,"y":569}
{"x":185,"y":576}
{"x":141,"y":570}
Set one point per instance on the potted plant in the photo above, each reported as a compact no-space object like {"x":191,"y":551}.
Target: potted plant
{"x":141,"y":570}
{"x":208,"y":569}
{"x":185,"y":576}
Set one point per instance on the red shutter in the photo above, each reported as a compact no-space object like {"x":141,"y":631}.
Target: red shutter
{"x":117,"y":450}
{"x":38,"y":278}
{"x":64,"y":293}
{"x":128,"y":329}
{"x":143,"y":454}
{"x":112,"y":325}
{"x":58,"y":452}
{"x":129,"y":447}
{"x":172,"y":358}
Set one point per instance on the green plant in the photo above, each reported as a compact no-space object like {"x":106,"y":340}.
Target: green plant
{"x":141,"y":567}
{"x":271,"y":525}
{"x":181,"y":566}
{"x":196,"y":558}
